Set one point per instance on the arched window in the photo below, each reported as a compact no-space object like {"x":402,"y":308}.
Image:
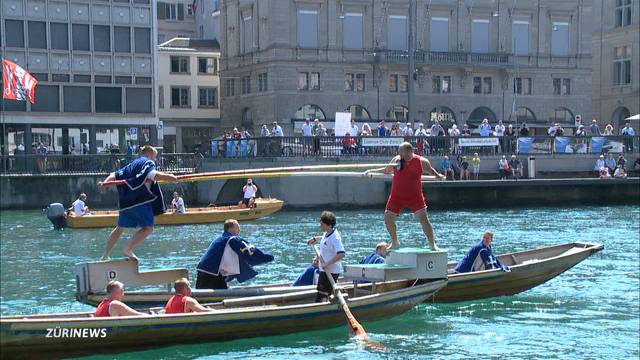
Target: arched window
{"x":480,"y":114}
{"x":398,"y":113}
{"x":309,"y":111}
{"x":619,"y":115}
{"x":247,"y":118}
{"x":562,"y":115}
{"x":358,"y":112}
{"x":523,"y":115}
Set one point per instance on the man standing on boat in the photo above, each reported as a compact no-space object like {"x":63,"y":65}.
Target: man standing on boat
{"x":406,"y":191}
{"x":480,"y":257}
{"x":140,"y":199}
{"x":249,"y":194}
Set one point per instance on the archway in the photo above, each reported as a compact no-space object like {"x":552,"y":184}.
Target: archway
{"x":247,"y":118}
{"x":231,"y":192}
{"x":309,"y":111}
{"x":358,"y":112}
{"x":481,"y":113}
{"x":562,"y":115}
{"x":619,"y":115}
{"x":523,"y":115}
{"x":442,"y":114}
{"x":398,"y":113}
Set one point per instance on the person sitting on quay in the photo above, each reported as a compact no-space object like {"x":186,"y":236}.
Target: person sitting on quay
{"x":447,"y":168}
{"x":310,"y":275}
{"x":112,"y":305}
{"x":504,"y":168}
{"x":331,"y":252}
{"x":516,"y":167}
{"x":78,"y":207}
{"x":229,"y":257}
{"x":378,"y":256}
{"x":620,"y":173}
{"x":182,"y":302}
{"x":610,"y":163}
{"x":249,"y":194}
{"x":622,"y":162}
{"x":599,"y":165}
{"x":480,"y":257}
{"x":177,"y":204}
{"x":475,"y":164}
{"x":604,"y":173}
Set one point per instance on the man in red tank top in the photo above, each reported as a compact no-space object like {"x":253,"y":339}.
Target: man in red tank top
{"x":182,"y":302}
{"x":112,"y":304}
{"x":406,"y":191}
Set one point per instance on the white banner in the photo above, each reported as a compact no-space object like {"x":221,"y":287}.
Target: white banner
{"x":343,"y":123}
{"x":385,"y":141}
{"x":478,"y":141}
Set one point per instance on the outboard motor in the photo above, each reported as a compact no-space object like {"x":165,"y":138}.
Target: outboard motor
{"x":55,"y":214}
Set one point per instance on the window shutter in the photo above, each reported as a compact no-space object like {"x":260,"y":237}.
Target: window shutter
{"x":180,"y":11}
{"x":161,"y":11}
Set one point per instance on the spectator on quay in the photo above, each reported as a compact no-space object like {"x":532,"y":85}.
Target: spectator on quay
{"x":437,"y":130}
{"x":552,"y":129}
{"x":395,"y":130}
{"x":599,"y":165}
{"x":500,"y":128}
{"x":447,"y":169}
{"x":454,"y":131}
{"x":604,"y":173}
{"x":475,"y":164}
{"x":510,"y":133}
{"x":485,"y":128}
{"x":464,"y":169}
{"x":407,"y":131}
{"x":348,"y":144}
{"x":608,"y":130}
{"x":595,"y":129}
{"x":421,"y":143}
{"x":504,"y":167}
{"x":559,"y":130}
{"x":130,"y":149}
{"x":264,"y":132}
{"x":353,"y":129}
{"x":318,"y":133}
{"x":421,"y":131}
{"x":516,"y":167}
{"x":620,"y":173}
{"x":627,"y":131}
{"x":366,"y":130}
{"x":465,"y":130}
{"x":455,"y":165}
{"x":277,"y":130}
{"x":622,"y":162}
{"x":307,"y":133}
{"x":382,"y":129}
{"x":610,"y":163}
{"x":581,"y":131}
{"x":41,"y":151}
{"x":524,"y":129}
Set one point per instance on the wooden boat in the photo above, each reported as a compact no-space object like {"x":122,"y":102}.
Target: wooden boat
{"x":205,"y":215}
{"x":528,"y":269}
{"x":72,"y":334}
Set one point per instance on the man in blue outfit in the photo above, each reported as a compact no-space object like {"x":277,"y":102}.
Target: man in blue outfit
{"x":378,"y":256}
{"x":229,"y":257}
{"x":479,"y":257}
{"x":310,"y":275}
{"x":139,"y":198}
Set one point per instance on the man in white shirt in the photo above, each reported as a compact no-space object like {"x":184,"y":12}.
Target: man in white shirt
{"x":277,"y":130}
{"x":408,"y":130}
{"x":353,"y":130}
{"x":421,"y":131}
{"x":627,"y":130}
{"x":331,"y":252}
{"x":307,"y":129}
{"x":249,"y":194}
{"x":79,"y":207}
{"x":177,"y":204}
{"x":499,"y":129}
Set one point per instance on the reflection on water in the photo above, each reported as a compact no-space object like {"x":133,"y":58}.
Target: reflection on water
{"x":572,"y":316}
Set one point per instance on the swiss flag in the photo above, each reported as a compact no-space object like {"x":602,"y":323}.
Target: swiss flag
{"x":18,"y":84}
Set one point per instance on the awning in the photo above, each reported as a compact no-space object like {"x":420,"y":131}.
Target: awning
{"x":634,"y":117}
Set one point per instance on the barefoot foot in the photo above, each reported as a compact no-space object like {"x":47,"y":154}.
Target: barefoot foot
{"x":129,"y":253}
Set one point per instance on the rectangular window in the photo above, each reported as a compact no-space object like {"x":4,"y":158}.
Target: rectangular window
{"x":230,"y":87}
{"x":138,"y":100}
{"x":397,"y":38}
{"x":303,"y":81}
{"x":189,"y":10}
{"x":393,"y":83}
{"x":179,"y":65}
{"x":246,"y":85}
{"x":403,"y":81}
{"x":16,"y":29}
{"x":247,"y":34}
{"x":487,"y":85}
{"x":37,"y":34}
{"x":108,"y":99}
{"x":101,"y":38}
{"x":263,"y":84}
{"x":446,"y":84}
{"x":60,"y":77}
{"x":171,"y":11}
{"x":352,"y":31}
{"x":314,"y":81}
{"x":161,"y":97}
{"x":622,"y":65}
{"x":122,"y":39}
{"x":80,"y":35}
{"x":560,"y":39}
{"x":82,"y":78}
{"x":207,"y":97}
{"x":441,"y":84}
{"x":180,"y":97}
{"x":123,"y":80}
{"x":142,"y":38}
{"x":102,"y":79}
{"x":360,"y":82}
{"x":557,"y":86}
{"x":439,"y":34}
{"x":143,"y":80}
{"x":59,"y":36}
{"x":77,"y":98}
{"x":436,"y":86}
{"x":623,"y":11}
{"x":520,"y":33}
{"x":307,"y":28}
{"x":480,"y":36}
{"x":48,"y":99}
{"x":206,"y":65}
{"x":349,"y":82}
{"x":522,"y":86}
{"x":477,"y":85}
{"x":566,"y":86}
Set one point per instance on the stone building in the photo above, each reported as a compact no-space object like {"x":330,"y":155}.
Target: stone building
{"x":501,"y":59}
{"x":176,"y":18}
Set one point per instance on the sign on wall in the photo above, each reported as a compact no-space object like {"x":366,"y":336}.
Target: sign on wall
{"x":480,"y":141}
{"x":385,"y":141}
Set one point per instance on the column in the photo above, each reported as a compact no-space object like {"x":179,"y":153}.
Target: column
{"x":65,"y":140}
{"x":93,"y":149}
{"x":179,"y":148}
{"x":28,"y":139}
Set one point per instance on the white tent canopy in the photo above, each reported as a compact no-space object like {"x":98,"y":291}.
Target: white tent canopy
{"x":634,"y":117}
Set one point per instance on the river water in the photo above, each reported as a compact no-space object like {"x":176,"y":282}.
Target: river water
{"x":591,"y":311}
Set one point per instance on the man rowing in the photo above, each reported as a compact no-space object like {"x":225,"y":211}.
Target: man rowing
{"x":112,"y":304}
{"x":331,"y":252}
{"x":406,"y":191}
{"x":140,"y":199}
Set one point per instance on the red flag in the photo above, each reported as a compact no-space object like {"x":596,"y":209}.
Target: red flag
{"x":18,"y":84}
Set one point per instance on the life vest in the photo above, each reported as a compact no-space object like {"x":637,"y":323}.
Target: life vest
{"x":103,"y":309}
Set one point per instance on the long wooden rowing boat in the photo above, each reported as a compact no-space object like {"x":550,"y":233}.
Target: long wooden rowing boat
{"x":71,"y":334}
{"x":206,"y":215}
{"x":528,"y":269}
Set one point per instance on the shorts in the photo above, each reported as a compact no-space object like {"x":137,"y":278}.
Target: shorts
{"x":209,"y":281}
{"x":415,"y":204}
{"x":139,"y":216}
{"x":476,"y":170}
{"x":324,"y":285}
{"x":245,"y":201}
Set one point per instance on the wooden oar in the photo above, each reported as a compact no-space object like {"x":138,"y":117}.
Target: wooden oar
{"x":254,"y":172}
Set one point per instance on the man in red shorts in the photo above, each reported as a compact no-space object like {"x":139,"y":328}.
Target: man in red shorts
{"x":406,"y":190}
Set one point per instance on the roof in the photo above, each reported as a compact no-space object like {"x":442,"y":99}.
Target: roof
{"x":191,"y":44}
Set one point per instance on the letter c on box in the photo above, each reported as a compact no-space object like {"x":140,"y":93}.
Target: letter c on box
{"x":429,"y":265}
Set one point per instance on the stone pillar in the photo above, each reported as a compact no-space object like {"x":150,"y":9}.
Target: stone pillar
{"x":179,"y":148}
{"x":28,"y":139}
{"x":65,"y":140}
{"x":93,"y":149}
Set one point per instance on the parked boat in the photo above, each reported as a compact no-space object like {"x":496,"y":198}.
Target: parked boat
{"x":73,"y":334}
{"x":528,"y":269}
{"x":205,"y":215}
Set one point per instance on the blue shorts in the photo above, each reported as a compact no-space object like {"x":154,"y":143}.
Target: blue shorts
{"x":139,"y":216}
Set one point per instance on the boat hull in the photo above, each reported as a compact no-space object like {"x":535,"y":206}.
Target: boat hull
{"x":264,"y":207}
{"x":528,"y":273}
{"x":135,"y":333}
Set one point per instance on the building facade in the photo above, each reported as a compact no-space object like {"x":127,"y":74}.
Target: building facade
{"x":519,"y":61}
{"x":94,"y":62}
{"x":188,"y":93}
{"x":616,"y":49}
{"x":208,"y":19}
{"x":176,"y":18}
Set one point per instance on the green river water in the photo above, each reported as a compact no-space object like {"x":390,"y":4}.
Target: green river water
{"x":591,"y":311}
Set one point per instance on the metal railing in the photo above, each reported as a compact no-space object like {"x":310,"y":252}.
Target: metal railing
{"x":333,"y":147}
{"x":86,"y":164}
